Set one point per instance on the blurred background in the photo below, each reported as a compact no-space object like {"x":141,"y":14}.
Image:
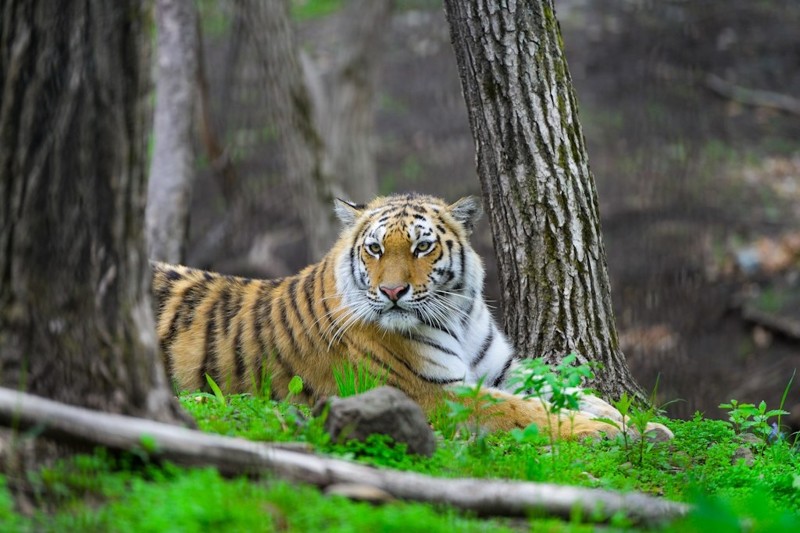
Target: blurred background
{"x":691,"y":111}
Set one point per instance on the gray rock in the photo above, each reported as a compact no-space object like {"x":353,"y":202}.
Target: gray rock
{"x":745,"y":453}
{"x":385,"y":411}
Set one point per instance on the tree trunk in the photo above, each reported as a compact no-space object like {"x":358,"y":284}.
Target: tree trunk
{"x":347,"y":116}
{"x":172,"y":168}
{"x":268,"y":27}
{"x":536,"y":182}
{"x":75,"y":313}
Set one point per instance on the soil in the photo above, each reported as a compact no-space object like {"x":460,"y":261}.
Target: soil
{"x":682,"y":175}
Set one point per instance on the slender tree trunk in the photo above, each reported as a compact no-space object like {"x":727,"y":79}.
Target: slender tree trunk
{"x":325,"y":119}
{"x":347,"y":118}
{"x":75,"y":313}
{"x":172,"y":168}
{"x":536,"y":182}
{"x":268,"y":27}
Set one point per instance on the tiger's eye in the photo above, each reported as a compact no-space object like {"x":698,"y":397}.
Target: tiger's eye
{"x":374,"y":248}
{"x":423,"y":247}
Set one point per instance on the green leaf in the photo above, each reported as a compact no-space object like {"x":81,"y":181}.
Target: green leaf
{"x":296,"y":385}
{"x":217,"y":391}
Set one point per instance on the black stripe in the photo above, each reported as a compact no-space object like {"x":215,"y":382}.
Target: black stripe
{"x":428,"y":342}
{"x":353,"y":263}
{"x":500,"y":377}
{"x":192,"y":298}
{"x":487,"y":342}
{"x":260,"y":319}
{"x":169,"y":338}
{"x":173,"y":275}
{"x":462,"y":270}
{"x":239,"y":354}
{"x":323,"y":299}
{"x":468,"y":315}
{"x":401,"y":360}
{"x":210,"y":343}
{"x":440,"y":381}
{"x":379,"y":362}
{"x":230,"y":307}
{"x":284,"y":322}
{"x":160,"y":296}
{"x":437,"y":327}
{"x":295,"y":307}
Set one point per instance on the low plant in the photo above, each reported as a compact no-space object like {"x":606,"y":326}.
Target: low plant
{"x":751,"y":418}
{"x":218,"y":396}
{"x":294,"y":387}
{"x":556,"y":387}
{"x":356,"y":378}
{"x":466,"y":412}
{"x":638,"y":419}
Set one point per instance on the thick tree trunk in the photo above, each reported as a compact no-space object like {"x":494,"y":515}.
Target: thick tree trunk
{"x":537,"y":185}
{"x":172,"y":168}
{"x":75,"y":313}
{"x":268,"y":27}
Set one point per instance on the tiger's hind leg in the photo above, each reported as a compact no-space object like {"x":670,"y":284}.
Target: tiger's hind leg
{"x":508,"y":411}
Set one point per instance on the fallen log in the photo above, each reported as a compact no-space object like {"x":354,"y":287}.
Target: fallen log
{"x":235,"y":456}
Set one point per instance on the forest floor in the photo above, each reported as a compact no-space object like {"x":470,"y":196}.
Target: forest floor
{"x":733,"y":480}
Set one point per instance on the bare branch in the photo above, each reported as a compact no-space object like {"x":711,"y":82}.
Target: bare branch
{"x":753,"y":97}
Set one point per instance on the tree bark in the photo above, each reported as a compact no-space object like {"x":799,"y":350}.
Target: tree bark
{"x":347,"y":115}
{"x":235,"y":456}
{"x":76,"y":321}
{"x":269,"y":29}
{"x":536,"y":183}
{"x":172,"y":167}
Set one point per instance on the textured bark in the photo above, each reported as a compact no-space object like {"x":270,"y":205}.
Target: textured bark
{"x":172,"y":167}
{"x":218,"y":157}
{"x":347,"y":117}
{"x":75,"y":313}
{"x":268,"y":27}
{"x":325,"y":118}
{"x":537,"y":186}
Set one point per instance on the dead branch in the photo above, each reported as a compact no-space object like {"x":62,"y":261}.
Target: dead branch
{"x":234,"y":456}
{"x":773,"y":321}
{"x":753,"y":97}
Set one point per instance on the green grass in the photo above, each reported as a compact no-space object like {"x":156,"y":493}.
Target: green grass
{"x":101,"y":493}
{"x":173,"y":499}
{"x":352,"y":379}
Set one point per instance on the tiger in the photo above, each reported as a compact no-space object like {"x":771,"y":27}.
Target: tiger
{"x":401,"y":292}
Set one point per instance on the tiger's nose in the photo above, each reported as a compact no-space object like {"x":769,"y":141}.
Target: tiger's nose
{"x":394,"y":293}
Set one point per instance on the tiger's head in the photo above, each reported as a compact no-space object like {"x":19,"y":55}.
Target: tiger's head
{"x":405,"y":261}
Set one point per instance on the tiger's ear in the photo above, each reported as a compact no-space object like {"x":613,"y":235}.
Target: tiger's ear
{"x":467,"y":211}
{"x":347,"y":212}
